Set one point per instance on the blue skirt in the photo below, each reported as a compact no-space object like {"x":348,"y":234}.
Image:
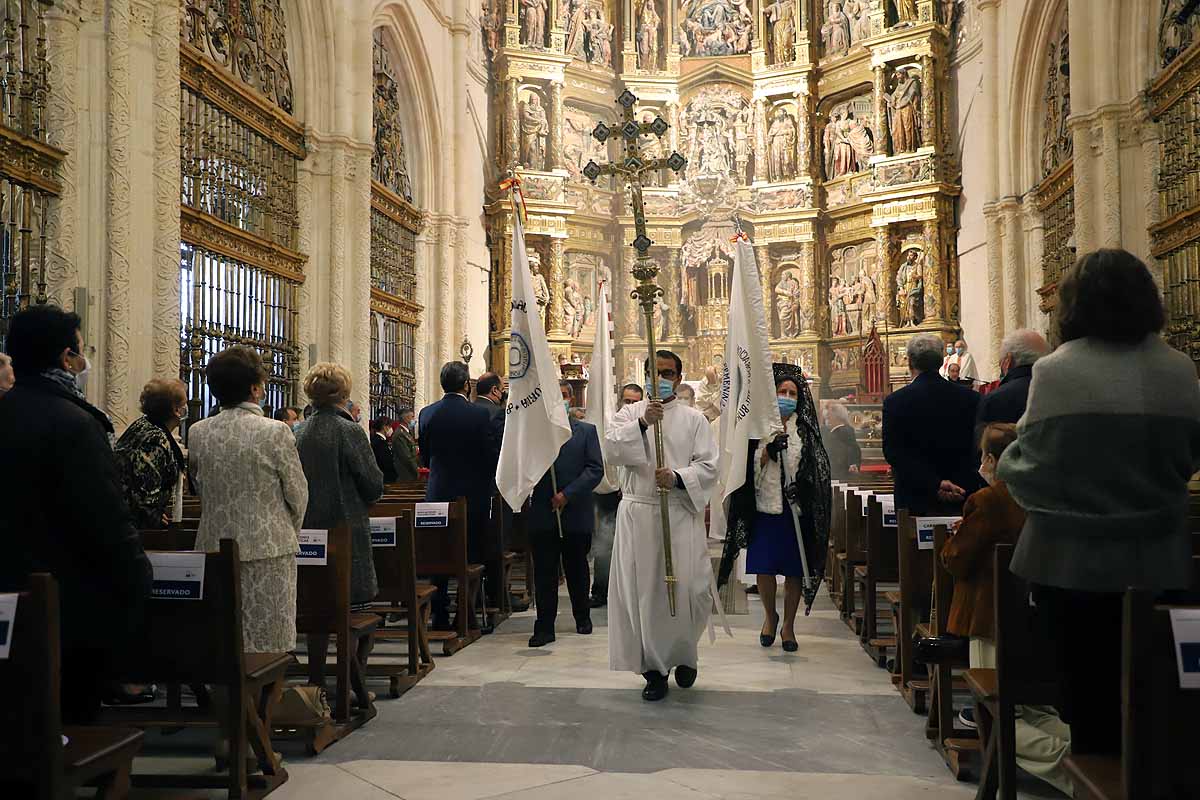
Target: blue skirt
{"x":773,"y":547}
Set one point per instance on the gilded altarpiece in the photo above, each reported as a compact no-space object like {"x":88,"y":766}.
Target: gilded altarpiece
{"x":820,"y":127}
{"x":1055,"y":194}
{"x":240,"y":269}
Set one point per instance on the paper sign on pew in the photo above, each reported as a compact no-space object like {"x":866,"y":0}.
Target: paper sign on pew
{"x":1185,"y":625}
{"x":925,"y":526}
{"x":8,"y":619}
{"x":431,"y":515}
{"x":888,"y":507}
{"x":880,"y":498}
{"x":383,"y":531}
{"x":177,"y":576}
{"x":314,"y":546}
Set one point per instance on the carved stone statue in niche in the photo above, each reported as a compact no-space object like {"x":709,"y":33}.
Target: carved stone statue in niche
{"x":781,"y":16}
{"x":649,"y":23}
{"x":599,"y":38}
{"x":781,"y":147}
{"x":904,"y":111}
{"x":743,"y":125}
{"x":910,"y":287}
{"x":541,"y":292}
{"x":534,"y":130}
{"x":858,"y":12}
{"x":835,"y":33}
{"x":534,"y":13}
{"x":1174,"y":36}
{"x":715,"y":27}
{"x":906,"y":10}
{"x":787,"y":305}
{"x":652,"y":148}
{"x":848,"y":141}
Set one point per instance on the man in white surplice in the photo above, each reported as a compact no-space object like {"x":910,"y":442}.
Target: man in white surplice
{"x":643,"y":637}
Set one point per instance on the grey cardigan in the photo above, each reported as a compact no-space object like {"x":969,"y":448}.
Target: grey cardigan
{"x":343,"y":481}
{"x":1108,"y":442}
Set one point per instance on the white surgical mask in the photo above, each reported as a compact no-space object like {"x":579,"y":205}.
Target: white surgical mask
{"x":81,"y":376}
{"x":987,"y":470}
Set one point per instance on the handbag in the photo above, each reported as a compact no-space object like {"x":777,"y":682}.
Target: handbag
{"x":302,"y":706}
{"x":944,"y":649}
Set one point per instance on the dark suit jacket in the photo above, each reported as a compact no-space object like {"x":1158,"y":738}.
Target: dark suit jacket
{"x":460,"y":450}
{"x":929,"y":437}
{"x":404,"y":456}
{"x":492,"y":408}
{"x":579,"y":468}
{"x":1007,"y":402}
{"x":383,"y":457}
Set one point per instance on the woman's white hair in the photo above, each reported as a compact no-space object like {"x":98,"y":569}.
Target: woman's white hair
{"x":837,"y":413}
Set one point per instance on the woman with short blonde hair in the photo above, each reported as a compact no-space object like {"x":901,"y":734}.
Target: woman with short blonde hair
{"x":328,"y":384}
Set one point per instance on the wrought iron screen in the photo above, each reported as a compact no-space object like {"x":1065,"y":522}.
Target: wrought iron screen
{"x":239,"y":148}
{"x":1056,"y":202}
{"x":27,"y":161}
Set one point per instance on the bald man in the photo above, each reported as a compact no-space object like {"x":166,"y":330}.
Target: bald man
{"x":1018,"y":352}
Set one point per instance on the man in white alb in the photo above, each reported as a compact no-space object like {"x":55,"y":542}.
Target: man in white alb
{"x":643,"y":637}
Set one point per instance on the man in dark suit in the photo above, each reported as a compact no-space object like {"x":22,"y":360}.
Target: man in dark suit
{"x":383,"y":450}
{"x":457,"y":444}
{"x":577,"y":471}
{"x":488,"y":393}
{"x":1006,"y":403}
{"x":928,"y":435}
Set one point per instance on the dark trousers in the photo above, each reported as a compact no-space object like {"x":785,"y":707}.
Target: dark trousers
{"x":1084,"y":630}
{"x":548,"y":550}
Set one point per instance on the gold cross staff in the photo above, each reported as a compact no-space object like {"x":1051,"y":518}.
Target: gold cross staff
{"x":630,"y":170}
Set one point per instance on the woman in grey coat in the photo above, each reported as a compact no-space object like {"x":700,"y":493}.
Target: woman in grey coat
{"x":343,"y":481}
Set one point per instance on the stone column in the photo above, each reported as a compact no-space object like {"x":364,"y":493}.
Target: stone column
{"x":803,"y":136}
{"x":672,"y":284}
{"x":929,"y":91}
{"x":166,"y":190}
{"x":762,"y":254}
{"x":1013,"y":265}
{"x":513,"y":123}
{"x":1110,"y":169}
{"x":62,"y":121}
{"x":934,"y":284}
{"x":810,"y":298}
{"x":760,"y":140}
{"x":881,"y":119}
{"x":554,"y":144}
{"x":118,"y":389}
{"x":557,"y":279}
{"x":995,"y":278}
{"x":883,"y":254}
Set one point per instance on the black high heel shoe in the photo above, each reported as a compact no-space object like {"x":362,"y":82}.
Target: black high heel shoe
{"x":764,"y":639}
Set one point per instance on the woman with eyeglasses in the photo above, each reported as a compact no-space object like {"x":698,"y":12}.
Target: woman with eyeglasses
{"x":149,"y":459}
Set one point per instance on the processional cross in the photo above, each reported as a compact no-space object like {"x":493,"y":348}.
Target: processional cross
{"x":630,"y":170}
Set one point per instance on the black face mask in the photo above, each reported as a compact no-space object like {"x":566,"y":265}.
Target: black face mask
{"x":504,"y":399}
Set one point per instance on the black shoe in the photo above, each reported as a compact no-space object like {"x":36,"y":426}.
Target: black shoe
{"x":966,"y":718}
{"x":656,"y":686}
{"x":518,"y":606}
{"x":541,"y":639}
{"x":764,"y":639}
{"x":599,"y":602}
{"x":752,"y":590}
{"x":790,"y":646}
{"x":584,"y":628}
{"x":685,"y":676}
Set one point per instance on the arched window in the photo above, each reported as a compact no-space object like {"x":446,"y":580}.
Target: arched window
{"x":395,"y":223}
{"x":240,"y":271}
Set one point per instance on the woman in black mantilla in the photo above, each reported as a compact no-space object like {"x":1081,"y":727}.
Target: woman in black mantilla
{"x":787,"y":485}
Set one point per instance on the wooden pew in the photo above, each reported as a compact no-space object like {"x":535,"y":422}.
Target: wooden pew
{"x":855,"y":555}
{"x":443,"y":551}
{"x":34,"y":762}
{"x":1159,"y":755}
{"x":323,"y":609}
{"x":1025,"y":674}
{"x":881,"y":567}
{"x":400,"y":593}
{"x":837,"y":544}
{"x":200,"y":642}
{"x":911,"y":609}
{"x":958,"y":748}
{"x":499,"y":534}
{"x":518,"y":543}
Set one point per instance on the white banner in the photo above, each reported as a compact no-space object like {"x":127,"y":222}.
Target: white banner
{"x":602,"y":383}
{"x":535,"y":424}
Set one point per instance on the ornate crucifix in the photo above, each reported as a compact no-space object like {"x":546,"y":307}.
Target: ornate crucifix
{"x":630,"y":170}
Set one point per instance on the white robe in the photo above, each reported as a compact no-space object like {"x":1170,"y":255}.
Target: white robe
{"x":642,"y":634}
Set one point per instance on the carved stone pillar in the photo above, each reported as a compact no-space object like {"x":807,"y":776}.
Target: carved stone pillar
{"x":557,"y":280}
{"x":760,"y":140}
{"x":810,"y":287}
{"x":1013,"y":265}
{"x":934,"y":285}
{"x":995,"y":278}
{"x":887,"y":271}
{"x":673,"y":296}
{"x":512,"y":122}
{"x":929,"y":90}
{"x":762,"y":255}
{"x":881,"y":119}
{"x":554,"y":146}
{"x":672,"y":138}
{"x":803,"y":136}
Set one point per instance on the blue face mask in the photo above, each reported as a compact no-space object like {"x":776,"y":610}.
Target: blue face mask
{"x":787,"y":406}
{"x":567,"y":407}
{"x":665,"y":389}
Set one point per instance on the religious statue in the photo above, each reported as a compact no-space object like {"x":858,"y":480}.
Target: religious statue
{"x":910,"y":288}
{"x":859,"y":14}
{"x":599,"y":39}
{"x":839,"y":319}
{"x":848,"y":145}
{"x":647,"y":36}
{"x":714,"y":150}
{"x":904,"y":112}
{"x":906,"y":10}
{"x":781,"y":147}
{"x":534,"y":130}
{"x":573,"y":310}
{"x":836,"y":31}
{"x":787,"y":305}
{"x":535,"y":22}
{"x":573,"y":16}
{"x":781,"y":16}
{"x":652,"y":147}
{"x":541,"y":292}
{"x":715,"y":27}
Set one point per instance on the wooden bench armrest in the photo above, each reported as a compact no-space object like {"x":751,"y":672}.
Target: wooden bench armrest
{"x":261,"y":665}
{"x":981,"y":682}
{"x":1096,"y":776}
{"x":89,"y":746}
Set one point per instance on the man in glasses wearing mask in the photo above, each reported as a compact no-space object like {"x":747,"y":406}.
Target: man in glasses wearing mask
{"x":643,"y":636}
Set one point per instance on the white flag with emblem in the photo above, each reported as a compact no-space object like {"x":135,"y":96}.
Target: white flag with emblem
{"x":748,"y":406}
{"x":602,"y":382}
{"x":535,"y":424}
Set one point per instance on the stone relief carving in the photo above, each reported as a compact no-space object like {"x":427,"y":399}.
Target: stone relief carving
{"x":584,"y":270}
{"x":1057,"y":145}
{"x":781,"y":22}
{"x":652,"y":148}
{"x":709,"y":124}
{"x":788,"y":300}
{"x":648,"y":30}
{"x":579,"y":146}
{"x":849,"y":139}
{"x":63,"y":132}
{"x":906,"y":10}
{"x":715,"y":27}
{"x":249,"y":40}
{"x":589,"y":35}
{"x":854,"y":281}
{"x":534,"y":131}
{"x":167,"y":177}
{"x":797,"y":197}
{"x":118,"y":398}
{"x":904,"y":110}
{"x":533,"y":23}
{"x":910,"y":286}
{"x":781,"y":147}
{"x":916,"y":170}
{"x":1174,"y":34}
{"x":846,"y":24}
{"x":389,"y":165}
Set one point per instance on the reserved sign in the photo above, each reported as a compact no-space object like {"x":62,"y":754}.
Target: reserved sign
{"x":431,"y":515}
{"x":8,"y":619}
{"x":177,"y":576}
{"x":383,"y":531}
{"x":890,"y":518}
{"x":314,"y":546}
{"x":1185,"y":625}
{"x":925,"y":526}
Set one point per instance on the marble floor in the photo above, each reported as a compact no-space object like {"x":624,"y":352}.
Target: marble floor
{"x":501,"y":720}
